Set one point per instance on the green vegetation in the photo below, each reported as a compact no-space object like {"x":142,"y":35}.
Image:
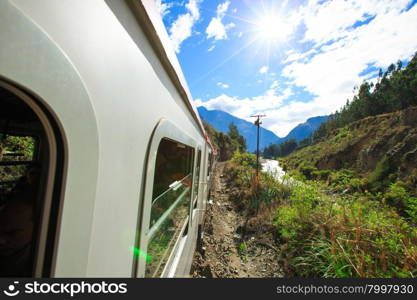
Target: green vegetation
{"x":395,"y":89}
{"x":14,"y":148}
{"x":280,"y":150}
{"x":226,"y":144}
{"x":23,"y":145}
{"x":242,"y":248}
{"x":250,"y":196}
{"x":327,"y":224}
{"x":326,"y":235}
{"x":239,"y":140}
{"x":350,"y":209}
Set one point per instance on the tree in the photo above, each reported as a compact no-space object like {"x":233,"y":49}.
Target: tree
{"x":224,"y":143}
{"x":235,"y":136}
{"x":280,"y":150}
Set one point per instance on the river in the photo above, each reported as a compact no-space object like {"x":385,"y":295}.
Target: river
{"x":272,"y":167}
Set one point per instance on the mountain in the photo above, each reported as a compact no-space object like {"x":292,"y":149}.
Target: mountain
{"x":220,"y":120}
{"x":304,"y":130}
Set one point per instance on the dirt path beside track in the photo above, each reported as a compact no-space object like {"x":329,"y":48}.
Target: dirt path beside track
{"x":224,"y":254}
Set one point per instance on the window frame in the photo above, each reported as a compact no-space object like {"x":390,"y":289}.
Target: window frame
{"x":196,"y":177}
{"x":48,"y":225}
{"x":165,"y":129}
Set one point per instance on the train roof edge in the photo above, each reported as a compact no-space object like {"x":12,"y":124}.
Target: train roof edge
{"x":154,"y":28}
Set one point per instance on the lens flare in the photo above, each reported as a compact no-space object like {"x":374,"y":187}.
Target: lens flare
{"x":139,"y":253}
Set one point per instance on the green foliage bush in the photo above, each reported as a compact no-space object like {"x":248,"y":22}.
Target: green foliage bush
{"x":412,"y":209}
{"x":349,"y":236}
{"x":287,"y":221}
{"x":226,"y":144}
{"x":321,"y":174}
{"x":241,"y":173}
{"x":399,"y":197}
{"x":280,"y":150}
{"x":340,"y":180}
{"x":307,"y":171}
{"x":380,"y":176}
{"x":244,"y":159}
{"x":242,"y":248}
{"x":22,"y":145}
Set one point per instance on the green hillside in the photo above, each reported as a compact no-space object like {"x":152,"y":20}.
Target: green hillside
{"x":371,"y":142}
{"x":352,"y":208}
{"x":380,"y":150}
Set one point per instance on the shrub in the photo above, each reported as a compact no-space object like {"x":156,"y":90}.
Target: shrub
{"x":269,"y":188}
{"x":380,"y":176}
{"x":242,"y":248}
{"x":412,"y":209}
{"x":308,"y":171}
{"x":287,"y":221}
{"x":399,"y":197}
{"x":341,"y":179}
{"x":321,"y":174}
{"x":244,"y":159}
{"x":396,"y":195}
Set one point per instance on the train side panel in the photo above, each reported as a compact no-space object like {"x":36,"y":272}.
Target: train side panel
{"x":109,"y":106}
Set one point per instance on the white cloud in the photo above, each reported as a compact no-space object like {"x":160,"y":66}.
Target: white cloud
{"x":181,"y":29}
{"x":283,"y":119}
{"x":274,"y":85}
{"x":333,"y":20}
{"x":222,"y":9}
{"x":280,"y":118}
{"x":331,"y":69}
{"x":163,"y":8}
{"x":222,"y":85}
{"x":296,"y":56}
{"x":216,"y":29}
{"x":263,"y":69}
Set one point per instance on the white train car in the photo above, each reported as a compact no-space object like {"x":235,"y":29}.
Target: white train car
{"x":114,"y":182}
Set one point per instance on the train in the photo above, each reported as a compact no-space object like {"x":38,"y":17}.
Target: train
{"x":113,"y":171}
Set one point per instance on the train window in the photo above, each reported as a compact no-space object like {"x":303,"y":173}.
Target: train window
{"x":197,"y":178}
{"x":209,"y":164}
{"x":25,"y":157}
{"x":171,"y":198}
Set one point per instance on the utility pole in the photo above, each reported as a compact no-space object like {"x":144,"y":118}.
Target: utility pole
{"x":258,"y":124}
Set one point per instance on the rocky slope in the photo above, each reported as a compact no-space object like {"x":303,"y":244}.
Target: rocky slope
{"x":387,"y":142}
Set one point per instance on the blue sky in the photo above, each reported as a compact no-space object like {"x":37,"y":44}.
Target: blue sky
{"x":289,"y":59}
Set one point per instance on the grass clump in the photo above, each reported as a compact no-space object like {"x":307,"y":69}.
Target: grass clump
{"x":242,"y":248}
{"x":241,"y":178}
{"x":349,"y":236}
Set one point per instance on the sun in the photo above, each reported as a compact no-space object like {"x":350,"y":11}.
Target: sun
{"x":272,"y":28}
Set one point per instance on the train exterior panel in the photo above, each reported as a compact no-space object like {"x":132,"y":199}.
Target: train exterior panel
{"x":109,"y":83}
